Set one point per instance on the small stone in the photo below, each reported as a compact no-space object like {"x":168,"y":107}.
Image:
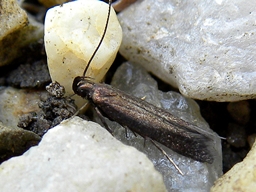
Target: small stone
{"x":55,"y":89}
{"x":72,"y":34}
{"x":78,"y":155}
{"x":240,"y":111}
{"x":241,"y":178}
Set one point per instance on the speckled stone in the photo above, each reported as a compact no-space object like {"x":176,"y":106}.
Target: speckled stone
{"x":205,"y":48}
{"x":78,"y":155}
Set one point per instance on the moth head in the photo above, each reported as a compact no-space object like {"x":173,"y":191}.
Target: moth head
{"x":83,"y":87}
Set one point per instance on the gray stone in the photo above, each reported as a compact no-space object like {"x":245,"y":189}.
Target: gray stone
{"x":16,"y":102}
{"x":205,"y":48}
{"x":197,"y":176}
{"x":78,"y":155}
{"x":15,"y":141}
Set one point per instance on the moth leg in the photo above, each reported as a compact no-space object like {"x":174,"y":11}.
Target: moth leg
{"x":144,"y":142}
{"x":134,"y":133}
{"x":103,"y":120}
{"x":126,"y":133}
{"x":166,"y":155}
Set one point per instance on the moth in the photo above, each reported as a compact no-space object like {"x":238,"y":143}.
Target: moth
{"x":144,"y":118}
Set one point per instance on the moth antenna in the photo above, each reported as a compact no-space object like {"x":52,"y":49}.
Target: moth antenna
{"x":103,"y":35}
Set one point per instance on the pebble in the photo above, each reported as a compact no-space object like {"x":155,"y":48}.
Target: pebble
{"x":70,"y":45}
{"x":205,"y":48}
{"x":78,"y":155}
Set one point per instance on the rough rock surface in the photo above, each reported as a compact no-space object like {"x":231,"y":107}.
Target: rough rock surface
{"x":241,"y":178}
{"x":205,"y":48}
{"x":17,"y":30}
{"x":78,"y":155}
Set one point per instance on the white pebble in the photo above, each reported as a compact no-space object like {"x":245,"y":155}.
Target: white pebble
{"x":78,"y":155}
{"x":72,"y":33}
{"x":205,"y":48}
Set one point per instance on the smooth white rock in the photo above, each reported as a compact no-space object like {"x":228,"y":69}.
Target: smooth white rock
{"x":205,"y":48}
{"x":78,"y":155}
{"x":72,"y":33}
{"x":197,"y":176}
